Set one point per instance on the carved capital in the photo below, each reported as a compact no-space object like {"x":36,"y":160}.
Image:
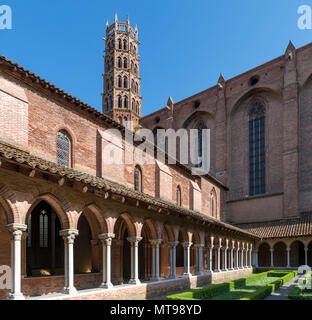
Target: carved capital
{"x":173,"y":244}
{"x":16,"y":230}
{"x":69,"y":235}
{"x":134,"y":240}
{"x":106,"y":238}
{"x":187,"y":244}
{"x":156,"y":242}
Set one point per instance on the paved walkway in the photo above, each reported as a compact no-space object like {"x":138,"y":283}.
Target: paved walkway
{"x":282,"y":293}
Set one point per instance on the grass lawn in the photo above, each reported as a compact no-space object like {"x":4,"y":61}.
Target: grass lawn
{"x":238,"y":293}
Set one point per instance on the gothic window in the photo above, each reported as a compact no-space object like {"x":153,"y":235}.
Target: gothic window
{"x":125,"y":44}
{"x":200,"y":127}
{"x":63,"y":146}
{"x":125,"y":63}
{"x":136,"y":88}
{"x":179,"y":197}
{"x":257,"y":149}
{"x":132,"y":66}
{"x":138,"y":179}
{"x":119,"y":102}
{"x":126,"y":103}
{"x":125,"y":82}
{"x":43,"y":229}
{"x":136,"y":69}
{"x":119,"y":63}
{"x":119,"y":44}
{"x":132,"y":84}
{"x":119,"y":82}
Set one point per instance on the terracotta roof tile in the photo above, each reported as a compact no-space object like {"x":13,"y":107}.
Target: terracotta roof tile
{"x":284,"y":228}
{"x":15,"y":154}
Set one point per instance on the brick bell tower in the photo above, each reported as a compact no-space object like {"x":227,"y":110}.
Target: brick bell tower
{"x":122,"y":83}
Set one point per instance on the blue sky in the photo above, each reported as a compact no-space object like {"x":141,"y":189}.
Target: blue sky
{"x":185,"y":44}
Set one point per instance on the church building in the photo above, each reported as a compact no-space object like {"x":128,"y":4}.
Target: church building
{"x":73,"y":226}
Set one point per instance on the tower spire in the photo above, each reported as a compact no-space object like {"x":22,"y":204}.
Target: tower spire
{"x":116,"y":18}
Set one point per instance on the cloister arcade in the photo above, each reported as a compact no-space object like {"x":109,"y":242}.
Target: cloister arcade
{"x":124,"y":248}
{"x":283,"y":253}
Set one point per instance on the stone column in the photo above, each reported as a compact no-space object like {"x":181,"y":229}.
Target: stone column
{"x":134,"y":241}
{"x":246,"y":257}
{"x":242,"y":256}
{"x":69,"y":238}
{"x":272,"y":257}
{"x":199,"y":259}
{"x":173,"y":259}
{"x":256,"y":259}
{"x":16,"y":231}
{"x":250,"y":255}
{"x":237,"y":257}
{"x":218,"y":258}
{"x":306,"y":256}
{"x":209,"y":259}
{"x":288,"y":257}
{"x":155,"y":259}
{"x":187,"y":260}
{"x":106,"y":239}
{"x":232,"y":257}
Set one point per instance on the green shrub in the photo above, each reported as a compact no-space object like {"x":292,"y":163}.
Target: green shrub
{"x":298,"y":294}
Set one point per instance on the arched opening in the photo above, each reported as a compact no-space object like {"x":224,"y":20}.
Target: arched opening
{"x":83,"y":248}
{"x":264,"y":255}
{"x":145,"y":255}
{"x":297,"y":254}
{"x":45,"y":247}
{"x":138,"y":181}
{"x":280,"y":255}
{"x":164,"y":255}
{"x":178,"y":196}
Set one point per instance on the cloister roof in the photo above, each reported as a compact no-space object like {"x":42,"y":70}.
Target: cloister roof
{"x":16,"y":155}
{"x":283,"y":228}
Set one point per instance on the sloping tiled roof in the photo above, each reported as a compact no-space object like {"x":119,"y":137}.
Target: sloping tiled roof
{"x":17,"y":155}
{"x":285,"y":228}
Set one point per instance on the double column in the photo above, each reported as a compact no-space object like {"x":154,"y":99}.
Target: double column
{"x":187,"y":259}
{"x":173,"y":259}
{"x":199,"y":259}
{"x":134,"y":242}
{"x":106,"y":239}
{"x":209,"y":258}
{"x":69,"y":236}
{"x":16,"y":231}
{"x":155,"y":259}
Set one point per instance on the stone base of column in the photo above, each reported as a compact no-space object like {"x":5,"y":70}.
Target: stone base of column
{"x":199,"y":273}
{"x":209,"y":272}
{"x":134,"y":281}
{"x":106,"y":285}
{"x":173,"y":277}
{"x":15,"y":296}
{"x":187,"y":275}
{"x":69,"y":290}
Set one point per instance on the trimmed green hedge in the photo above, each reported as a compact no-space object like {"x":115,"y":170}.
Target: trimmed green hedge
{"x":261,"y":293}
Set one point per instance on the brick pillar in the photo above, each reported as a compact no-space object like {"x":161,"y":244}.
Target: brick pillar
{"x":69,"y":238}
{"x":16,"y":230}
{"x":290,"y":134}
{"x":106,"y":240}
